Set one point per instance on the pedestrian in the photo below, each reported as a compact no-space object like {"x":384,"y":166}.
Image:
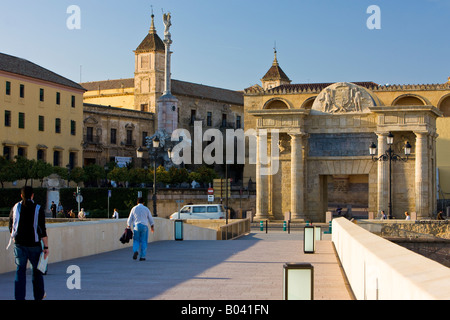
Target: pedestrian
{"x":115,"y":214}
{"x":383,"y":215}
{"x":81,"y":214}
{"x":140,"y":217}
{"x":27,"y":227}
{"x":440,"y":215}
{"x":53,"y":209}
{"x":407,"y":216}
{"x":60,"y":210}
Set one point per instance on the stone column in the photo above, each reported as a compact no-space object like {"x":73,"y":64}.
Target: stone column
{"x":262,"y":195}
{"x":422,"y":177}
{"x":383,"y":176}
{"x":297,"y":177}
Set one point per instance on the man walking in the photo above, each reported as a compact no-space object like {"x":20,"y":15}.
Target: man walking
{"x":27,"y":227}
{"x":140,"y":217}
{"x":53,"y":209}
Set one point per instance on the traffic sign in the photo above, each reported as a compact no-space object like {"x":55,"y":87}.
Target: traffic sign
{"x":210,"y":198}
{"x":79,"y":198}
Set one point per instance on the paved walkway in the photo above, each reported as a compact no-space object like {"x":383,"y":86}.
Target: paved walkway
{"x":249,"y":268}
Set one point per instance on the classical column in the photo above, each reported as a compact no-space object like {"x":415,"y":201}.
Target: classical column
{"x":421,"y":177}
{"x":297,"y":177}
{"x":383,"y":175}
{"x":262,"y":196}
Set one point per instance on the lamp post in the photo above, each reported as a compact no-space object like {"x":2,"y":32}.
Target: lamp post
{"x":154,"y":154}
{"x":390,"y":156}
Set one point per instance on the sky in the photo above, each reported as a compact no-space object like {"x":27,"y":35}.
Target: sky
{"x":229,"y":44}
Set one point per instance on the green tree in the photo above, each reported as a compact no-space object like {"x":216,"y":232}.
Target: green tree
{"x":41,"y":169}
{"x":138,"y":175}
{"x":93,"y":173}
{"x":77,"y":175}
{"x":162,"y":175}
{"x":6,"y":171}
{"x":119,"y":175}
{"x":24,"y":168}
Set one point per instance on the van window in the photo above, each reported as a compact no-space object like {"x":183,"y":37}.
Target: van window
{"x":198,"y":209}
{"x":212,"y":209}
{"x":186,"y":209}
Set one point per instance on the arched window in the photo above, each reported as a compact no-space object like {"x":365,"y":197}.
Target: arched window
{"x":275,"y":104}
{"x":409,"y":100}
{"x":444,"y":106}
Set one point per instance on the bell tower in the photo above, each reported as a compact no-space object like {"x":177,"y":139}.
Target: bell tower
{"x":275,"y":77}
{"x":149,"y":71}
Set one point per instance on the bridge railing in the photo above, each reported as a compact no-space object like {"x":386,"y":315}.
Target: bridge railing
{"x":378,"y":269}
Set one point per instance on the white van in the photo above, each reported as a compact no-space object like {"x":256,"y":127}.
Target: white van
{"x":200,"y":211}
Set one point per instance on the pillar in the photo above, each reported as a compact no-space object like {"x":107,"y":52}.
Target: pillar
{"x":422,"y":176}
{"x":297,"y":177}
{"x":383,"y":176}
{"x":262,"y":195}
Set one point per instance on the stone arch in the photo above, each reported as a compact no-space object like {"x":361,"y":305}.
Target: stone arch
{"x":308,"y":103}
{"x":277,"y":103}
{"x":444,"y":105}
{"x":410,"y":100}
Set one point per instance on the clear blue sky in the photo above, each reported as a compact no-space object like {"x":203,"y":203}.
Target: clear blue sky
{"x":230,"y":43}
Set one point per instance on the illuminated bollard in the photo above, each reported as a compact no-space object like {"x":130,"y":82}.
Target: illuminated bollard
{"x":309,"y":241}
{"x":298,"y":281}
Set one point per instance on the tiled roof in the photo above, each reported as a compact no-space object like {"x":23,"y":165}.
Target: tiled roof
{"x":152,"y":42}
{"x":108,"y":84}
{"x":181,"y":88}
{"x":29,"y":69}
{"x":275,"y":73}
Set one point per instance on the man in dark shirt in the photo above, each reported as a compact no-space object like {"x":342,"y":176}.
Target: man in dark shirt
{"x":27,"y":226}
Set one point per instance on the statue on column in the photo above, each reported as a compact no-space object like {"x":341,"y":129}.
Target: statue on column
{"x":167,"y":24}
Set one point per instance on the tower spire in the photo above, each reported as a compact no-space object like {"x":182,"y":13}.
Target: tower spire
{"x":152,"y":26}
{"x":275,"y":60}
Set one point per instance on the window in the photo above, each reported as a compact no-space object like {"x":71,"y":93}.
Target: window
{"x":89,"y":134}
{"x":8,"y":88}
{"x":144,"y":136}
{"x":73,"y":101}
{"x":224,"y":120}
{"x":22,"y":91}
{"x":113,"y":136}
{"x":73,"y":127}
{"x":129,"y":141}
{"x":144,"y":107}
{"x":209,"y":119}
{"x":72,"y":159}
{"x":40,"y":155}
{"x":41,"y":123}
{"x":58,"y":98}
{"x":193,"y":113}
{"x":212,"y":209}
{"x":41,"y":94}
{"x":238,"y":122}
{"x":21,"y":120}
{"x":57,"y":125}
{"x":7,"y":152}
{"x":198,"y":209}
{"x":56,"y":158}
{"x":7,"y":118}
{"x":21,"y":152}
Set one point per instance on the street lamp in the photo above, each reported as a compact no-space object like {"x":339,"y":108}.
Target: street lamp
{"x":390,"y":156}
{"x":154,"y":154}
